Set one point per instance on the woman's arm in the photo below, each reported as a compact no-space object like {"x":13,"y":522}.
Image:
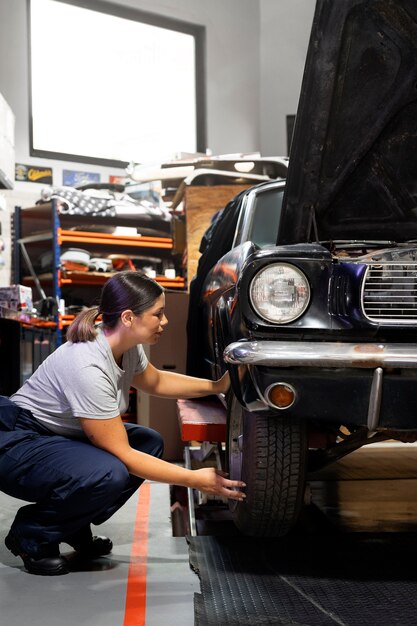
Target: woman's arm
{"x":171,"y":385}
{"x":110,"y":435}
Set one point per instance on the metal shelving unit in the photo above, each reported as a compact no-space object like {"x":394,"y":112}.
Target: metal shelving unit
{"x":42,"y":227}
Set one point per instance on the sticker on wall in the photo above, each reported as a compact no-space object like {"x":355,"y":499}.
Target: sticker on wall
{"x":72,"y":178}
{"x":117,"y":180}
{"x":33,"y":174}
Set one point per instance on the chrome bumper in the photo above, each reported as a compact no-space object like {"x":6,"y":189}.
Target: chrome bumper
{"x":321,"y":354}
{"x":374,"y":356}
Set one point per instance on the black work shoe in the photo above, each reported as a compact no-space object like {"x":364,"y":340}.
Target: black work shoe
{"x":94,"y":548}
{"x":54,"y":565}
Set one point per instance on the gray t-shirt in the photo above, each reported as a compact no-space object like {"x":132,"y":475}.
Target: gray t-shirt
{"x":80,"y":380}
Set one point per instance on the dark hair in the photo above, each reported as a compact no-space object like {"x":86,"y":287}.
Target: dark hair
{"x":125,"y":290}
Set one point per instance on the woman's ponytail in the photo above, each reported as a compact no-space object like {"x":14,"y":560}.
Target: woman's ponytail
{"x":82,"y":328}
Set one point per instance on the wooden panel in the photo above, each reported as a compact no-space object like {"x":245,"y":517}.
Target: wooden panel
{"x":370,"y":490}
{"x":200,"y":204}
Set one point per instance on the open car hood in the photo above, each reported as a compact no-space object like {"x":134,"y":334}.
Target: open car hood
{"x":353,"y":161}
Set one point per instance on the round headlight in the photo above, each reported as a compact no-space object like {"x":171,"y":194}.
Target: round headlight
{"x":279,"y":293}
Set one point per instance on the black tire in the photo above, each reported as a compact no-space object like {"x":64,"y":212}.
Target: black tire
{"x":270,"y":455}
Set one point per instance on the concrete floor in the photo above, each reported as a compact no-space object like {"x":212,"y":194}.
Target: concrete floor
{"x":109,"y":592}
{"x":372,"y":490}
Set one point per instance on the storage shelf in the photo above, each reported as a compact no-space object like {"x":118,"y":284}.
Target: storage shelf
{"x":98,"y":278}
{"x":43,"y":229}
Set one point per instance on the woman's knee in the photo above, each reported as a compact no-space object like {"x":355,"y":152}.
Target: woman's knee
{"x":145,"y":440}
{"x":104,"y":484}
{"x":116,"y":475}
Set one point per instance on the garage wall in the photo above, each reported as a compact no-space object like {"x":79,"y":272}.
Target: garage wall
{"x":255,"y":53}
{"x":255,"y":58}
{"x":285,"y":30}
{"x":233,"y":57}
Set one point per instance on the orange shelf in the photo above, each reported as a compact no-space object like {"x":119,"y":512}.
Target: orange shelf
{"x":99,"y":278}
{"x":80,"y":236}
{"x":171,"y":283}
{"x":39,"y":323}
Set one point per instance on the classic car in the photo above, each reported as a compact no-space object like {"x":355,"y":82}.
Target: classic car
{"x":306,"y":289}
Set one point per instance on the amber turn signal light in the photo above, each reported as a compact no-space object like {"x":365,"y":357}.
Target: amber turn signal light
{"x":281,"y":395}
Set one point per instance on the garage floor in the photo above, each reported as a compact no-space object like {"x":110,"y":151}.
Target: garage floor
{"x":147,"y":580}
{"x":349,"y":561}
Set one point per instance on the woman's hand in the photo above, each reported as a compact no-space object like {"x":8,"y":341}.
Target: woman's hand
{"x":223,"y":384}
{"x":210,"y":480}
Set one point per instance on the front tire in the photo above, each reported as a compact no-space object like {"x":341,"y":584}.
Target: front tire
{"x":270,"y":455}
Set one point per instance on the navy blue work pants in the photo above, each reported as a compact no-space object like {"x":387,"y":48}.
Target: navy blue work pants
{"x":69,"y":482}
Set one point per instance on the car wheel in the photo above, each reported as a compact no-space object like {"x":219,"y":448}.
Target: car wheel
{"x":270,"y":455}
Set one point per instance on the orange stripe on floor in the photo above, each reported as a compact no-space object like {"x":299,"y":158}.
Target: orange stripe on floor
{"x":135,"y":610}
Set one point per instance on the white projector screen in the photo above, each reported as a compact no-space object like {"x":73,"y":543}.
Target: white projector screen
{"x":109,"y":88}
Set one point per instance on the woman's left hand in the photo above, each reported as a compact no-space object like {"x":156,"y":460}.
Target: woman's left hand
{"x":216,"y":482}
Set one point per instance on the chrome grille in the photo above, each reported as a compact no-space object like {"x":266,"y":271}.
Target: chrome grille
{"x":390,"y":292}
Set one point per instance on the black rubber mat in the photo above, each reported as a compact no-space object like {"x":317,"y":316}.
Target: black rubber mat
{"x":306,"y":580}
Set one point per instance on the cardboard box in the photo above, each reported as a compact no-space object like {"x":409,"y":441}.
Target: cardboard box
{"x":16,"y":297}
